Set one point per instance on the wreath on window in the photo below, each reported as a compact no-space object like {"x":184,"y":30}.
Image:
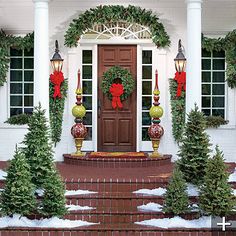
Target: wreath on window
{"x":117,"y":85}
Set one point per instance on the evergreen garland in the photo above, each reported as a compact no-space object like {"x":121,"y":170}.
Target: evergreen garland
{"x":215,"y":121}
{"x":21,"y":119}
{"x":56,"y":110}
{"x":114,"y":13}
{"x":126,"y":79}
{"x":194,"y":149}
{"x":176,"y":196}
{"x":54,"y":201}
{"x":7,"y":41}
{"x":216,"y":195}
{"x":177,"y":110}
{"x":38,"y":150}
{"x":18,"y":194}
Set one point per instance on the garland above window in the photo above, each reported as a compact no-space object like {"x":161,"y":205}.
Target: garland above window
{"x":228,"y":44}
{"x":7,"y":41}
{"x":113,"y":13}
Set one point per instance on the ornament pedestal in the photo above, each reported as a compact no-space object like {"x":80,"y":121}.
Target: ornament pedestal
{"x":155,"y":146}
{"x":78,"y":144}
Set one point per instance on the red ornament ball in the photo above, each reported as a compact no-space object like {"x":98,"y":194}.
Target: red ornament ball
{"x":79,"y":130}
{"x":155,"y":131}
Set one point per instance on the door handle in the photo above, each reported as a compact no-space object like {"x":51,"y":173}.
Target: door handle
{"x":99,"y":108}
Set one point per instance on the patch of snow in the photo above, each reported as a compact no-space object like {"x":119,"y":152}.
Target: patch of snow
{"x":39,"y":192}
{"x":178,"y":222}
{"x":79,"y":208}
{"x":54,"y":222}
{"x":232,"y":177}
{"x":155,"y":191}
{"x":192,"y":190}
{"x":151,"y":206}
{"x":78,"y":192}
{"x":3,"y":175}
{"x":234,"y":192}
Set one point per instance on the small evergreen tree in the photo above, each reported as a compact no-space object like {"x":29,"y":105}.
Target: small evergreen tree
{"x":194,"y":150}
{"x":38,"y":150}
{"x":176,"y":197}
{"x":54,"y":202}
{"x":18,"y":194}
{"x":216,"y":197}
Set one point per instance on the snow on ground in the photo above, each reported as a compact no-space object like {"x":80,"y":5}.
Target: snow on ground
{"x":54,"y":222}
{"x":79,"y":208}
{"x":232,"y":177}
{"x":3,"y":175}
{"x":39,"y":192}
{"x":192,"y":191}
{"x":78,"y":192}
{"x":178,"y":222}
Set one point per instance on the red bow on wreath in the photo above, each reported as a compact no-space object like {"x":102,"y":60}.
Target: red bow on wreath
{"x":116,"y":91}
{"x":180,"y":77}
{"x":57,"y":78}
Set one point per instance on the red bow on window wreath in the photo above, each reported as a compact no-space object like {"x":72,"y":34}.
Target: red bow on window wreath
{"x":57,"y":78}
{"x":116,"y":91}
{"x":180,"y":78}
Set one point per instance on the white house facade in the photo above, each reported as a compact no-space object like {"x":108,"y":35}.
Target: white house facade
{"x":182,"y":19}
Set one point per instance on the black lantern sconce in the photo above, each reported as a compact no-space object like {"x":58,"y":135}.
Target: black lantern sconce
{"x":57,"y":61}
{"x":180,"y":60}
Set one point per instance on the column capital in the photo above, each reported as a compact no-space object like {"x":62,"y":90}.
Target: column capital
{"x":47,"y":1}
{"x":193,"y":1}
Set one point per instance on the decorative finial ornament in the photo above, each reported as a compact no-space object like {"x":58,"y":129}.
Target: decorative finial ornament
{"x":156,"y":131}
{"x":78,"y":130}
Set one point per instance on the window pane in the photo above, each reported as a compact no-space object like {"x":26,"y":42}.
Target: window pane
{"x":89,"y":135}
{"x":218,"y":77}
{"x":147,"y":88}
{"x":205,"y":53}
{"x":16,"y":75}
{"x":87,"y":87}
{"x":28,"y":110}
{"x":28,"y":88}
{"x":219,"y":54}
{"x":206,"y":101}
{"x":206,"y":76}
{"x":16,"y":88}
{"x":218,"y":64}
{"x":206,"y":64}
{"x":147,"y":72}
{"x":146,"y":119}
{"x":218,"y":89}
{"x":15,"y":100}
{"x":218,"y":102}
{"x":29,"y":76}
{"x":87,"y":72}
{"x":16,"y":63}
{"x":87,"y":102}
{"x":218,"y":112}
{"x":15,"y":52}
{"x":207,"y":112}
{"x":88,"y":118}
{"x":206,"y":89}
{"x":87,"y":57}
{"x":29,"y":53}
{"x":146,"y":103}
{"x":145,"y":136}
{"x":28,"y":101}
{"x":29,"y":63}
{"x":15,"y":111}
{"x":147,"y":57}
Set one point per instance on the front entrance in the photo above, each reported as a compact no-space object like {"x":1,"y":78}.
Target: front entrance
{"x":116,"y":128}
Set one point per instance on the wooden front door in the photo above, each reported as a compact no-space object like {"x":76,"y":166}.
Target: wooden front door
{"x":116,"y":128}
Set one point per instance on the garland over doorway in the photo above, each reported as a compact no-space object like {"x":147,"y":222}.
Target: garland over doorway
{"x":113,"y":13}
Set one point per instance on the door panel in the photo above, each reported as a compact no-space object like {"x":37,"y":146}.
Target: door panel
{"x":117,"y":128}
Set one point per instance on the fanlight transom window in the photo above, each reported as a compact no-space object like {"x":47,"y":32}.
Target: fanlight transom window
{"x":119,"y":29}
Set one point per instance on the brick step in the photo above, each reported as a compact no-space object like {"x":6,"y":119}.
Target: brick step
{"x":123,"y":200}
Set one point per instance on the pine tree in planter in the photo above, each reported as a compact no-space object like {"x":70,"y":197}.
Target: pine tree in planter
{"x":53,"y":202}
{"x":18,"y":194}
{"x":194,"y":150}
{"x":176,"y":197}
{"x":38,"y":150}
{"x":216,"y":197}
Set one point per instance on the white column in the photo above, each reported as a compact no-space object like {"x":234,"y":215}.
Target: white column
{"x":193,"y":84}
{"x":41,"y":54}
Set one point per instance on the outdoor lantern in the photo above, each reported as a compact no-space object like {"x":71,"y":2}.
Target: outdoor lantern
{"x":56,"y":61}
{"x":180,"y":60}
